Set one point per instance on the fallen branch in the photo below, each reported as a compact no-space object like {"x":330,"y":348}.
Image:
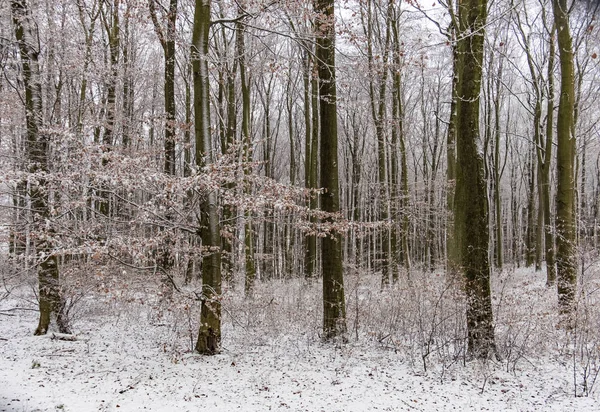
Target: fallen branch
{"x":17,"y":308}
{"x":7,"y":314}
{"x":64,"y":336}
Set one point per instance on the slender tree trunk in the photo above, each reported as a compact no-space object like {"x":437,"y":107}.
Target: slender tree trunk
{"x":166,"y":258}
{"x":377,"y":94}
{"x":113,"y":32}
{"x":89,"y":37}
{"x":311,"y":258}
{"x":229,"y":211}
{"x":397,"y":233}
{"x":209,"y":334}
{"x":128,"y":87}
{"x":497,"y":173}
{"x":250,"y":265}
{"x":549,"y":227}
{"x":530,"y":233}
{"x":269,"y":267}
{"x":452,"y":250}
{"x":565,"y":155}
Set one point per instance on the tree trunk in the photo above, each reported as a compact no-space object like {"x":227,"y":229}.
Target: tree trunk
{"x":112,"y":27}
{"x":128,"y":86}
{"x":312,"y":162}
{"x":452,"y":252}
{"x":166,"y":259}
{"x":334,"y":304}
{"x":51,"y":303}
{"x":250,"y":265}
{"x":549,"y":227}
{"x":565,"y":154}
{"x":530,"y":233}
{"x":209,"y":334}
{"x":497,"y":172}
{"x":378,"y":112}
{"x":471,"y":218}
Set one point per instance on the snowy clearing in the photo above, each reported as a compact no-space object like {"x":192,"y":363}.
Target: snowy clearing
{"x":133,"y":353}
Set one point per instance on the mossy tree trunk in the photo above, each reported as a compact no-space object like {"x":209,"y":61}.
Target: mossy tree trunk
{"x":51,"y":302}
{"x":470,"y":208}
{"x":565,"y":154}
{"x":452,"y":254}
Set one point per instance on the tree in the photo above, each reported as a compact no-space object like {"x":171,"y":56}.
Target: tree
{"x":110,"y":19}
{"x":209,"y":334}
{"x":470,"y":209}
{"x":51,"y":301}
{"x":566,"y":271}
{"x":545,"y":175}
{"x":167,"y":41}
{"x":378,"y":112}
{"x":250,"y":265}
{"x":399,"y":190}
{"x":311,"y":153}
{"x":334,"y":304}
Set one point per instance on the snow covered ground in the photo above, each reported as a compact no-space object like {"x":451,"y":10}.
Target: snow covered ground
{"x":133,"y":353}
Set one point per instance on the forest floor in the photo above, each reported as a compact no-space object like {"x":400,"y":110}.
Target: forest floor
{"x":405,"y":351}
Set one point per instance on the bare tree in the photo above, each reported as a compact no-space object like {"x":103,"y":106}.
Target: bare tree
{"x":470,"y":210}
{"x":334,"y":303}
{"x":51,"y":302}
{"x":209,"y":334}
{"x":566,"y":270}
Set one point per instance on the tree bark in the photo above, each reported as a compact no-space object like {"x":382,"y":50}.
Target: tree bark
{"x":312,"y":163}
{"x":51,"y":302}
{"x":167,"y":41}
{"x":334,"y":304}
{"x":471,"y":217}
{"x":565,"y":219}
{"x":113,"y":32}
{"x":209,"y":334}
{"x":548,"y":226}
{"x":452,"y":252}
{"x":250,"y":265}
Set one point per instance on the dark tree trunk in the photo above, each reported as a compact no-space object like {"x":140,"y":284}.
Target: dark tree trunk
{"x":334,"y":304}
{"x":471,"y":217}
{"x":51,"y":303}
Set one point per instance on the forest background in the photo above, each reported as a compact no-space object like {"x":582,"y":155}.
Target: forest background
{"x":211,"y":149}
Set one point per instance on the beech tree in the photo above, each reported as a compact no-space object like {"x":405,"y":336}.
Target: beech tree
{"x":334,"y":301}
{"x":167,"y":42}
{"x":209,"y":334}
{"x":51,"y":302}
{"x":566,"y":270}
{"x":470,"y":209}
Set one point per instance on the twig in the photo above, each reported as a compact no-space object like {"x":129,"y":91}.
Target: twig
{"x":64,"y":336}
{"x":17,"y":308}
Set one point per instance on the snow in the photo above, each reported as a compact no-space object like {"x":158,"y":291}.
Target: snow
{"x":133,"y":354}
